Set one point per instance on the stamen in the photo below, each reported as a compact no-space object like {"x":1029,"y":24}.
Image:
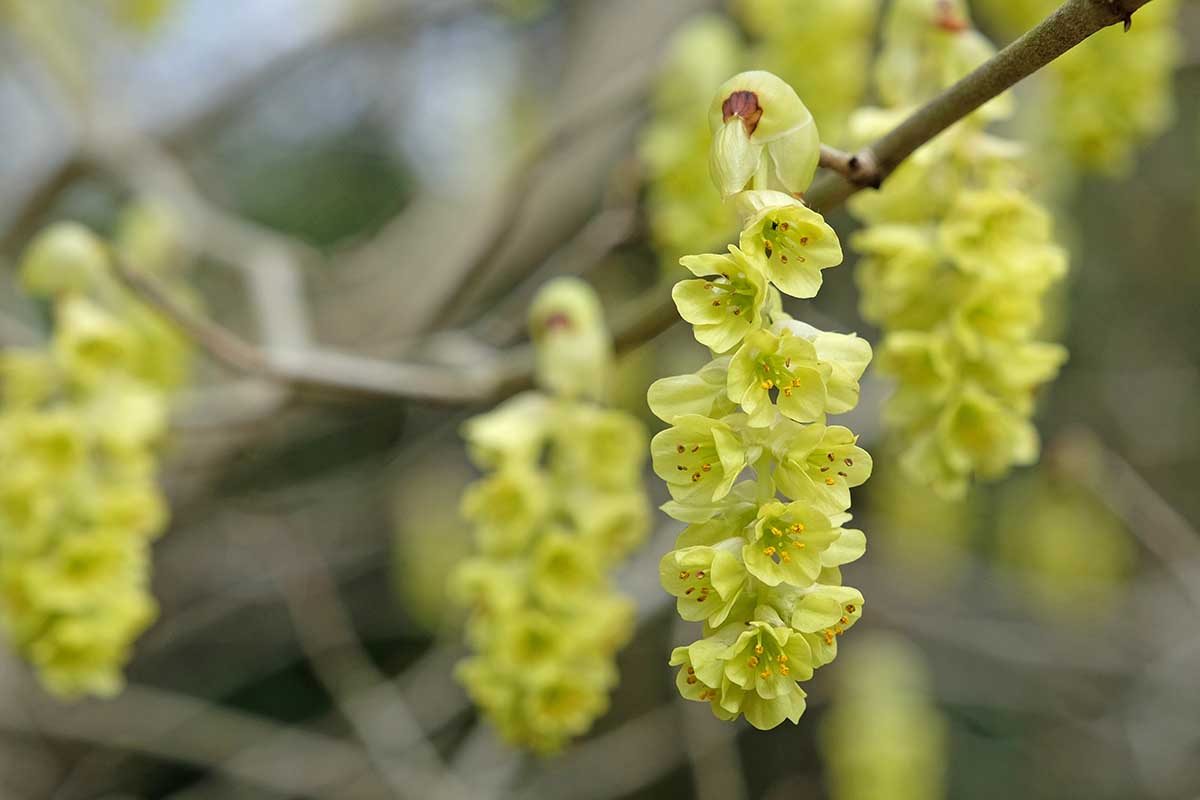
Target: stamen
{"x":849,"y":462}
{"x":692,"y":680}
{"x":679,"y":448}
{"x":758,"y":648}
{"x":844,"y":621}
{"x":706,"y":467}
{"x":766,"y":673}
{"x":696,"y":477}
{"x":683,"y":576}
{"x":775,"y":531}
{"x":700,"y":575}
{"x":782,"y":658}
{"x":783,"y":670}
{"x":681,"y":467}
{"x":783,"y":259}
{"x":850,"y":609}
{"x":830,"y":481}
{"x":830,"y":456}
{"x":691,"y":670}
{"x":783,"y":226}
{"x":798,"y":527}
{"x":690,"y":590}
{"x":753,"y":661}
{"x":768,"y":551}
{"x":787,"y":558}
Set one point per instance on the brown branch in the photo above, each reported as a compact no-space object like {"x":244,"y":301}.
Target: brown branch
{"x":326,"y":372}
{"x":1073,"y":22}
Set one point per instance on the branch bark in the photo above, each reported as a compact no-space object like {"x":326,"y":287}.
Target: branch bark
{"x":1073,"y":22}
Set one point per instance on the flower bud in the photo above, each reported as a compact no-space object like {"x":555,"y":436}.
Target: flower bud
{"x":761,"y":131}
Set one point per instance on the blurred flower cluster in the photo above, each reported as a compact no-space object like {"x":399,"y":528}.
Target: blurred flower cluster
{"x":80,"y":425}
{"x":562,"y":503}
{"x":957,"y":260}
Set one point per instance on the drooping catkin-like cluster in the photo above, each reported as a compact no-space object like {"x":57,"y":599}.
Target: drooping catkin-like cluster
{"x":1097,"y":103}
{"x":759,"y":561}
{"x":956,"y":263}
{"x":561,"y":504}
{"x":884,"y":735}
{"x":80,"y":422}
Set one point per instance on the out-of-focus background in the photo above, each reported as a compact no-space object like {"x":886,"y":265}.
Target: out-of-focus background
{"x":369,"y":192}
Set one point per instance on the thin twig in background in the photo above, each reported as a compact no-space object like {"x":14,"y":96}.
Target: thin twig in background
{"x":1148,"y":516}
{"x":622,"y":92}
{"x":328,"y":639}
{"x":192,"y":731}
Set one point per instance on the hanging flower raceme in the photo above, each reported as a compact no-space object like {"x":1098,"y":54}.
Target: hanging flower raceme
{"x":561,"y":504}
{"x":80,"y":422}
{"x":956,"y":264}
{"x":759,"y":563}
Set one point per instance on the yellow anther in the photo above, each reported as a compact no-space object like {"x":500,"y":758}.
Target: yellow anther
{"x":830,"y":481}
{"x":798,"y":528}
{"x":683,"y":576}
{"x":691,"y":670}
{"x":776,"y":531}
{"x":768,"y":551}
{"x":765,"y":385}
{"x":700,"y":574}
{"x":753,"y":661}
{"x":828,"y":637}
{"x":766,"y":673}
{"x":716,"y":302}
{"x":706,"y":467}
{"x":798,"y":545}
{"x":787,"y":391}
{"x":844,"y":620}
{"x":782,"y":658}
{"x":679,"y":448}
{"x":784,"y":670}
{"x":758,"y":648}
{"x":850,"y":609}
{"x":787,"y":557}
{"x":696,"y":477}
{"x":839,"y":630}
{"x":796,"y":382}
{"x":692,"y":680}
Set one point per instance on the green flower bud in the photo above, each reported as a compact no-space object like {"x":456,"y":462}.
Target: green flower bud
{"x":573,"y":349}
{"x":761,"y":129}
{"x":65,"y":258}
